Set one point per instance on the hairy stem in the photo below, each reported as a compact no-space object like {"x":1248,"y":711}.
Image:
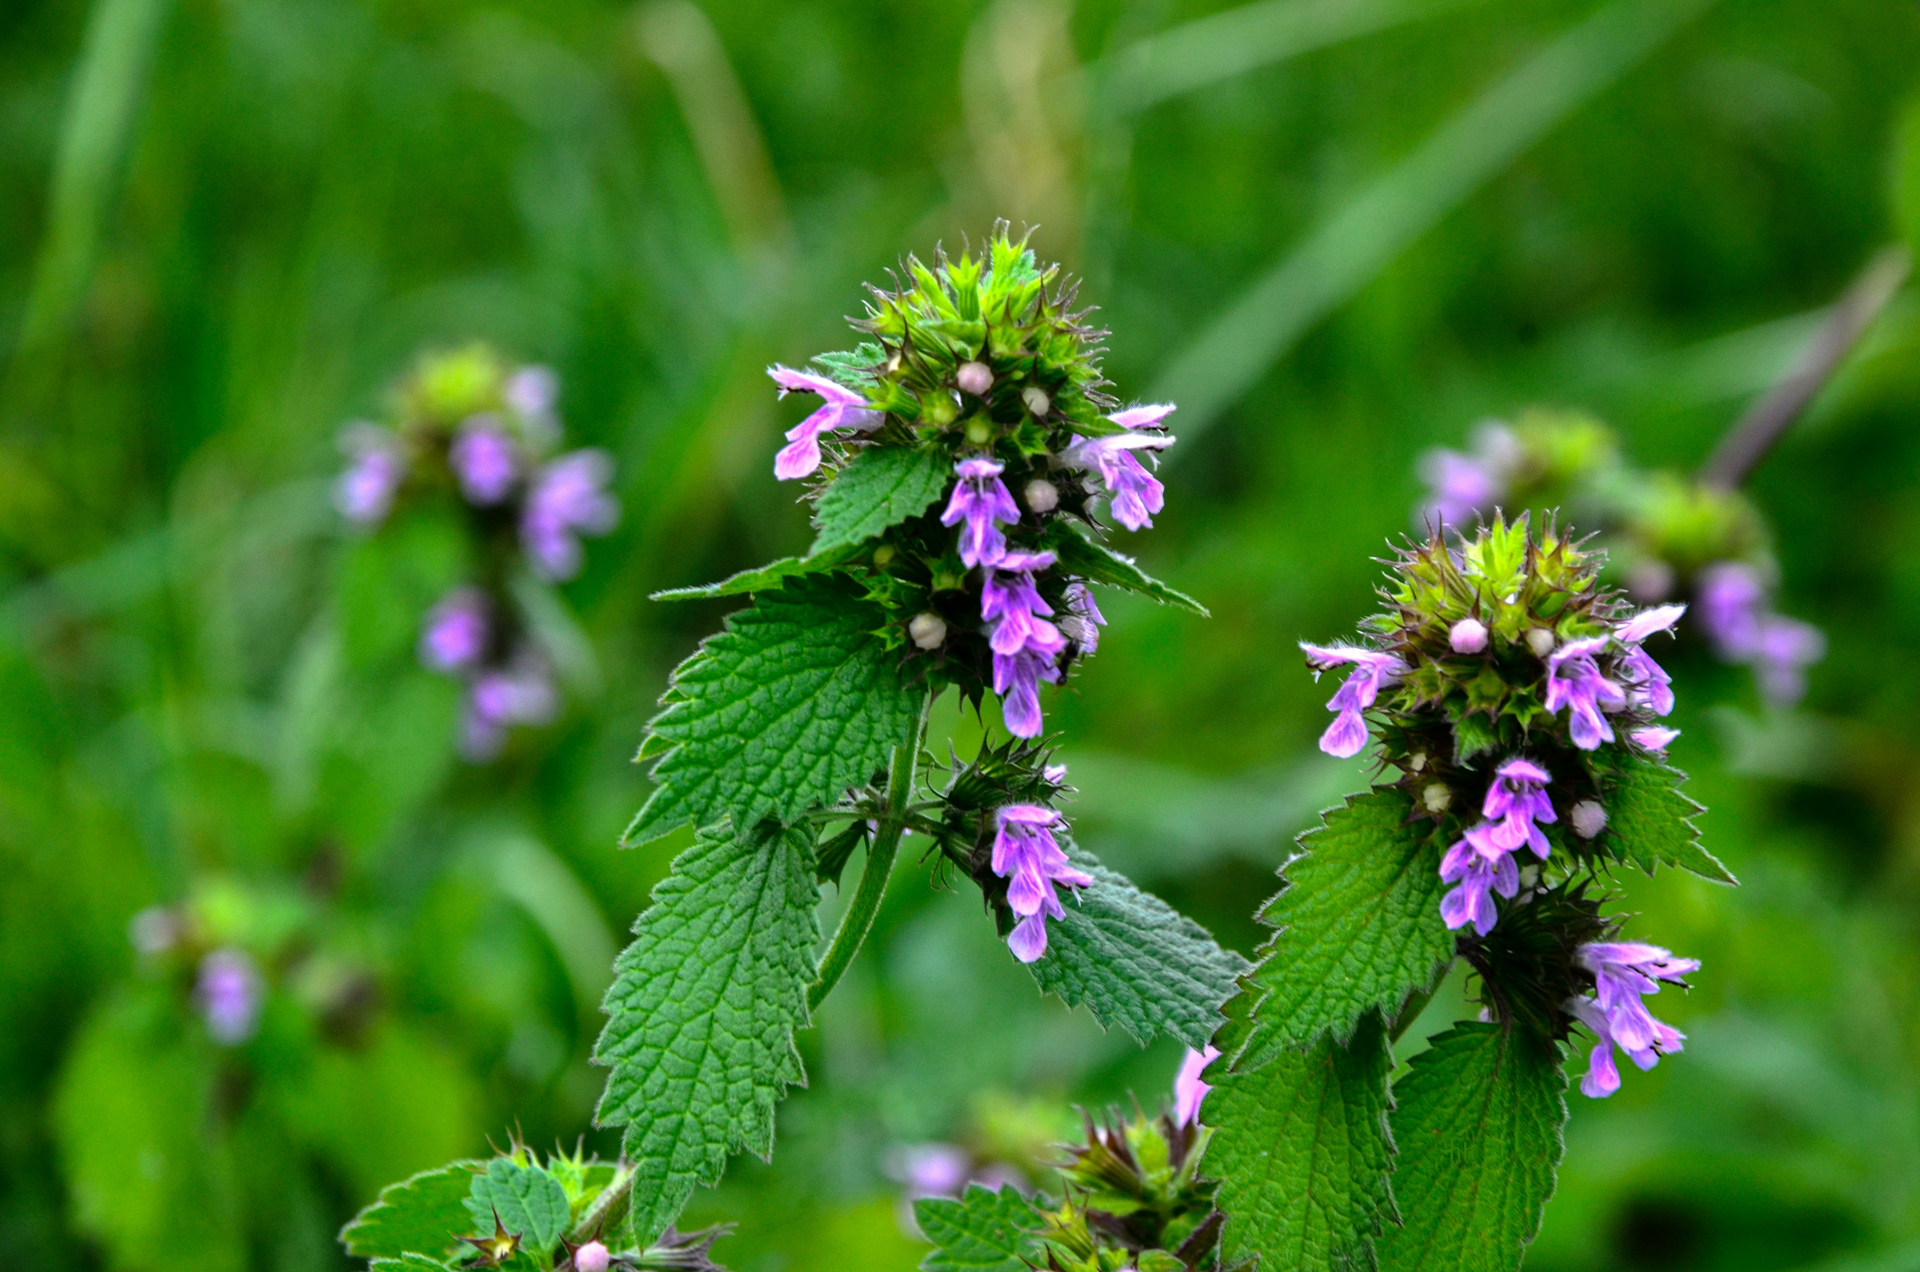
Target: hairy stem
{"x":858,"y":920}
{"x":607,"y":1207}
{"x":1748,"y":442}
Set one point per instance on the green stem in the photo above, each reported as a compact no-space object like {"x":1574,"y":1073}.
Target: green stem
{"x":607,"y":1207}
{"x":858,"y":920}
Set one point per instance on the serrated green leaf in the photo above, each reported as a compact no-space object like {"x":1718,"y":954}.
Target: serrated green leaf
{"x":1301,"y":1149}
{"x":981,"y":1232}
{"x":1134,"y":961}
{"x":1473,"y":737}
{"x":702,"y":1013}
{"x":410,"y":1262}
{"x":527,"y":1201}
{"x":792,"y":704}
{"x":765,"y":579}
{"x":1478,"y":1125}
{"x":883,"y":486}
{"x":1650,"y":822}
{"x":1358,"y":924}
{"x":1098,"y":563}
{"x":424,"y":1213}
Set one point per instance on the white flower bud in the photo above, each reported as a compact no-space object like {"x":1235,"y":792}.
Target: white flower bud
{"x":1469,"y":636}
{"x":929,"y":631}
{"x":1589,"y":819}
{"x":1416,"y":761}
{"x":1437,"y":796}
{"x":974,"y":377}
{"x":1037,"y":400}
{"x":1540,"y":641}
{"x":1530,"y":875}
{"x":592,"y":1257}
{"x":1042,"y":495}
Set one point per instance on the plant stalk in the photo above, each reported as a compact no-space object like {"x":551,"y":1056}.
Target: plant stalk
{"x":608,"y":1207}
{"x":858,"y":920}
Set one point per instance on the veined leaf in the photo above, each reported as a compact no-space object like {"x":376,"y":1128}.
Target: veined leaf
{"x":794,"y":702}
{"x":526,"y":1200}
{"x":1301,"y":1148}
{"x":1479,"y":1132}
{"x":1134,"y":961}
{"x":1100,"y":564}
{"x":767,"y":578}
{"x":425,"y":1214}
{"x":883,"y":486}
{"x":702,"y":1013}
{"x":981,"y":1232}
{"x":1650,"y":822}
{"x":1358,"y":924}
{"x":409,"y":1262}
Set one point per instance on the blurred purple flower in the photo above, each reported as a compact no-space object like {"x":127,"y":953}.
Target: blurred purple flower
{"x":843,"y":408}
{"x":1730,"y":597}
{"x":1479,"y":867}
{"x":1458,"y":487}
{"x":455,"y":635}
{"x":1027,"y":856}
{"x":500,"y":697}
{"x":1188,"y":1089}
{"x":1373,"y":671}
{"x":568,"y":498}
{"x":1517,"y":801}
{"x":1623,"y":973}
{"x":532,"y":390}
{"x":375,"y":468}
{"x":228,"y":994}
{"x":1785,"y":649}
{"x":484,"y":461}
{"x":1133,"y":492}
{"x":980,"y":499}
{"x":1574,"y":681}
{"x":933,"y":1170}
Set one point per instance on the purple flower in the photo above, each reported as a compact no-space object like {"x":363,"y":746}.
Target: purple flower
{"x":567,"y":498}
{"x":1648,"y":683}
{"x":981,"y":499}
{"x":484,"y":461}
{"x":1132,"y":491}
{"x":1458,"y":487}
{"x":455,"y":635}
{"x":1654,"y":737}
{"x":532,"y":391}
{"x":364,"y":492}
{"x":1623,"y":973}
{"x":1574,"y":680}
{"x":1010,"y":601}
{"x":503,"y":696}
{"x":843,"y":408}
{"x":1016,"y":678}
{"x":1026,"y":855}
{"x":1785,"y":648}
{"x":1480,"y":867}
{"x":1188,"y":1089}
{"x":1083,"y":620}
{"x":1517,"y":799}
{"x":934,"y":1170}
{"x":1730,"y":597}
{"x":228,"y":994}
{"x":1373,"y":671}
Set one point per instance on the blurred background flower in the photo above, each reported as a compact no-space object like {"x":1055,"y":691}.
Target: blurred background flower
{"x":1336,"y":232}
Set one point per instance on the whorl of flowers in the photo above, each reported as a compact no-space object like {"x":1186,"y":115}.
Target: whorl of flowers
{"x":984,"y":360}
{"x":1513,"y":693}
{"x":473,"y":433}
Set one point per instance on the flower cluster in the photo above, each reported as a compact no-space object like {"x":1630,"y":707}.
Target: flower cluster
{"x":479,"y":435}
{"x":983,"y":362}
{"x":1622,"y":974}
{"x":1667,"y":536}
{"x":1027,"y":856}
{"x":1516,"y":697}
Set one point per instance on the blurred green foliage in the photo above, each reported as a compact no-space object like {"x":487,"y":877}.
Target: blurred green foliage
{"x":1340,"y":231}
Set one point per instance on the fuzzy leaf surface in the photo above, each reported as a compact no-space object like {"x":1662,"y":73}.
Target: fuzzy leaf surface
{"x":425,"y":1213}
{"x":767,"y":578}
{"x":1301,"y":1149}
{"x":1098,"y":563}
{"x":410,"y":1262}
{"x":1478,"y":1125}
{"x":794,"y":702}
{"x":702,"y":1012}
{"x":883,"y":486}
{"x":981,"y":1232}
{"x":1358,"y":926}
{"x":528,"y":1201}
{"x":1650,"y":821}
{"x":1136,"y":962}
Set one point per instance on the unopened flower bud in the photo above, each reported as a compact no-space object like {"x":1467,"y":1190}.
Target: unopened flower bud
{"x":1037,"y":400}
{"x":883,"y":554}
{"x":979,"y":432}
{"x":591,"y":1257}
{"x":975,"y":378}
{"x":946,"y":582}
{"x":1416,"y":761}
{"x":939,"y":408}
{"x":1540,"y":641}
{"x":1589,"y":819}
{"x":929,"y":630}
{"x":1469,"y":636}
{"x":1042,"y":495}
{"x":154,"y":930}
{"x":1437,"y":796}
